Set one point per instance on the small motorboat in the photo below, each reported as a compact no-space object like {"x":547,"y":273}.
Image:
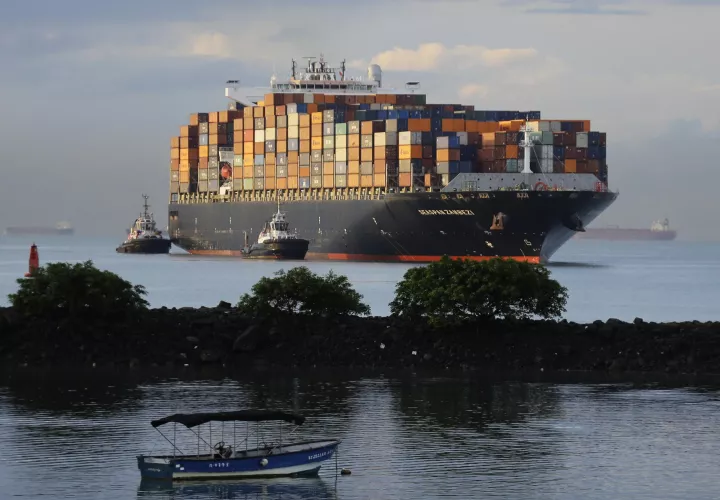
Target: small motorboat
{"x":221,"y":460}
{"x":144,"y":236}
{"x":276,"y":242}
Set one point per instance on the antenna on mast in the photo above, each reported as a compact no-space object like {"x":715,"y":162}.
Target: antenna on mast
{"x":294,"y":69}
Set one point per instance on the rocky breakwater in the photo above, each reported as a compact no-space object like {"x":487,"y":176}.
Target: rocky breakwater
{"x":221,"y":335}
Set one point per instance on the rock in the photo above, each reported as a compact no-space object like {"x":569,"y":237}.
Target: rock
{"x":210,"y":356}
{"x":245,"y":342}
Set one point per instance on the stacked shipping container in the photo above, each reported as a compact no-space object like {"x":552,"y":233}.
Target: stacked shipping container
{"x":320,"y":141}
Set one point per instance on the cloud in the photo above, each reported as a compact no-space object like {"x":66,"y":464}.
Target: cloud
{"x":577,"y":7}
{"x":436,"y":56}
{"x":473,"y":90}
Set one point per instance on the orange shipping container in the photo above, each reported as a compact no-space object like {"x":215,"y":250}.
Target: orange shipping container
{"x":248,"y":158}
{"x":269,"y":109}
{"x":248,"y":123}
{"x":189,"y":154}
{"x":317,"y":118}
{"x":353,"y":180}
{"x":185,"y":176}
{"x":175,"y":142}
{"x":292,"y":169}
{"x":292,"y":182}
{"x":280,"y":110}
{"x":281,"y":146}
{"x":366,"y":181}
{"x":228,"y":116}
{"x":405,"y":179}
{"x":511,"y":151}
{"x":304,"y":121}
{"x":304,"y":171}
{"x":304,"y":134}
{"x":281,"y":134}
{"x":410,"y":152}
{"x":281,"y":183}
{"x":316,"y":130}
{"x":366,"y":154}
{"x":353,"y":154}
{"x":175,"y":164}
{"x":328,"y":168}
{"x":238,"y":148}
{"x":379,"y":180}
{"x":270,"y":121}
{"x":238,"y":124}
{"x":419,"y":124}
{"x":292,"y":156}
{"x":448,"y":154}
{"x":175,"y":154}
{"x":379,"y":167}
{"x":237,"y":173}
{"x":269,"y":182}
{"x":354,"y":167}
{"x":328,"y":181}
{"x":304,"y":146}
{"x":258,"y":112}
{"x":379,"y":152}
{"x":353,"y":141}
{"x":248,"y":172}
{"x":570,"y":166}
{"x":270,"y":158}
{"x":471,"y":126}
{"x":248,"y":148}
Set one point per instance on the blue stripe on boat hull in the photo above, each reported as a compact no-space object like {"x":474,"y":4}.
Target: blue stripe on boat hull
{"x":299,"y":463}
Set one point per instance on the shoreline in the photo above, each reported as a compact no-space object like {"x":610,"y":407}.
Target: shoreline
{"x":190,"y":338}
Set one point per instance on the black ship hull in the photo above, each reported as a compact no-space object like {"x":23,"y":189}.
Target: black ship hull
{"x":412,"y":227}
{"x":290,"y":249}
{"x":145,"y":246}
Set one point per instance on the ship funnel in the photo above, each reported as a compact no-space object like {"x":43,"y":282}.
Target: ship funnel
{"x":375,"y":74}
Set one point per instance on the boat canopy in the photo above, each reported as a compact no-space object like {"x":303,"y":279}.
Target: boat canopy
{"x":190,"y":420}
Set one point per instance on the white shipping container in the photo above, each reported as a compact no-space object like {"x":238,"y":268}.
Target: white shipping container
{"x":259,"y":136}
{"x":533,"y":126}
{"x":340,"y":141}
{"x":379,"y":139}
{"x":270,"y":134}
{"x":293,"y":120}
{"x":341,"y":154}
{"x":227,"y":156}
{"x":238,"y":161}
{"x":463,"y":137}
{"x":391,"y":138}
{"x":582,"y":139}
{"x":547,"y":152}
{"x":308,"y":98}
{"x":329,"y":142}
{"x":546,"y":166}
{"x":294,"y":132}
{"x":555,"y":126}
{"x":405,"y":138}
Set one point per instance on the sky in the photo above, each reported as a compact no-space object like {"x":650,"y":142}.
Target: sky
{"x":91,"y":92}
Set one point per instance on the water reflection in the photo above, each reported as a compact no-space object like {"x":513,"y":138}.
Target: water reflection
{"x":265,"y":489}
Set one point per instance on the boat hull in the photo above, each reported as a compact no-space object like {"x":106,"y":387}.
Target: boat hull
{"x":408,"y":227}
{"x":145,"y":246}
{"x":290,"y":249}
{"x":305,"y":461}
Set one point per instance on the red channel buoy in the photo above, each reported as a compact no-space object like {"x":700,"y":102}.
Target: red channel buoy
{"x":34,"y":261}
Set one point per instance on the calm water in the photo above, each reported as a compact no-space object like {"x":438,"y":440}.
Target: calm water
{"x":661,"y":281}
{"x":76,"y":436}
{"x":404,"y":438}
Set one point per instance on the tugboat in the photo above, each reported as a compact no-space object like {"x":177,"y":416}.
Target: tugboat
{"x":144,"y":237}
{"x":276,"y":242}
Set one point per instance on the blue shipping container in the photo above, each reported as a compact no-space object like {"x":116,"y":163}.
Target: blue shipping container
{"x":304,"y":182}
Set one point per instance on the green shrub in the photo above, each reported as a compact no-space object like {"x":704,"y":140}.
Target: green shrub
{"x":62,"y":290}
{"x":300,"y":291}
{"x":455,"y":290}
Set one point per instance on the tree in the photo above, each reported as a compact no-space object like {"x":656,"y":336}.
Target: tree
{"x":300,"y":291}
{"x":62,"y":290}
{"x":454,"y":290}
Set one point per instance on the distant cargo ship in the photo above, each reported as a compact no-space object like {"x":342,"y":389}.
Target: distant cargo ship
{"x":62,"y":228}
{"x":659,"y":231}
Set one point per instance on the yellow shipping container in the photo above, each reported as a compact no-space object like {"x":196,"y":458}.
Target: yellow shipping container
{"x":203,"y":151}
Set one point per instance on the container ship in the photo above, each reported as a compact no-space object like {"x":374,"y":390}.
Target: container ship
{"x":659,"y":231}
{"x":61,"y":229}
{"x":373,"y":174}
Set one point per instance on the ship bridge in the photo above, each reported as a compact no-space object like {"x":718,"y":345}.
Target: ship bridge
{"x":317,"y":78}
